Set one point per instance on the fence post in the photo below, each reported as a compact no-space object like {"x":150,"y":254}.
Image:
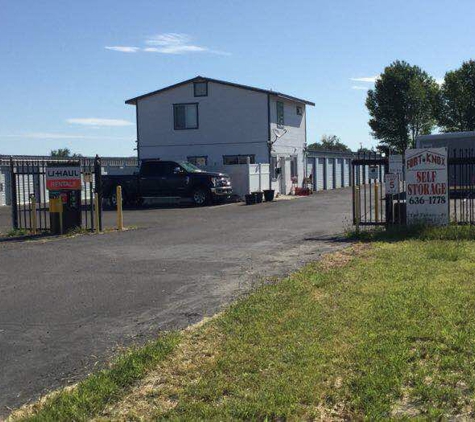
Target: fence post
{"x":33,"y":214}
{"x":96,"y":212}
{"x":120,"y":219}
{"x":98,"y":187}
{"x":13,"y":196}
{"x":357,"y":209}
{"x":376,"y":202}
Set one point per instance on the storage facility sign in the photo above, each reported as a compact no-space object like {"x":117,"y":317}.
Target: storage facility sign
{"x":395,"y":164}
{"x":427,"y":186}
{"x":63,"y":178}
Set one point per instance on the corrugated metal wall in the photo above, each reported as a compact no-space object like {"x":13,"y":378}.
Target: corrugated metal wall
{"x":339,"y":173}
{"x":330,"y":174}
{"x":346,"y":172}
{"x":320,"y":170}
{"x":3,"y":187}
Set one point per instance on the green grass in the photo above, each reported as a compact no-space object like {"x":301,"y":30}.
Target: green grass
{"x":93,"y":394}
{"x":385,"y":333}
{"x":390,"y":335}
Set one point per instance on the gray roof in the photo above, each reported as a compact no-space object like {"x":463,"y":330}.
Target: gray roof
{"x":447,"y":135}
{"x":204,"y":79}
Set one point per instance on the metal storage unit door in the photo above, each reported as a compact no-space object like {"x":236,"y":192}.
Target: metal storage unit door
{"x":320,"y":172}
{"x":3,"y":187}
{"x":346,"y":172}
{"x":330,"y":172}
{"x":339,"y":173}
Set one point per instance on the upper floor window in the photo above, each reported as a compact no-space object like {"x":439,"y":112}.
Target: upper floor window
{"x":280,"y":114}
{"x":299,"y":110}
{"x":201,"y":89}
{"x":185,"y":116}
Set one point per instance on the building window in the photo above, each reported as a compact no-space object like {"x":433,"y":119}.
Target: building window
{"x":280,"y":114}
{"x":201,"y":89}
{"x":198,"y":160}
{"x":185,"y":116}
{"x":299,"y":110}
{"x":238,"y":159}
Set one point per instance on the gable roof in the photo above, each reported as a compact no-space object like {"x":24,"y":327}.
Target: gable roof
{"x":204,"y":79}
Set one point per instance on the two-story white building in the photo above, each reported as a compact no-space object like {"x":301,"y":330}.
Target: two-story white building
{"x":214,"y":123}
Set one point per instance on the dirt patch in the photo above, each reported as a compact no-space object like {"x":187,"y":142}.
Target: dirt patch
{"x":341,"y":258}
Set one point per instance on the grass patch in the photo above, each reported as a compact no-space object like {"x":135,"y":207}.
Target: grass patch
{"x":383,"y":332}
{"x":91,"y":396}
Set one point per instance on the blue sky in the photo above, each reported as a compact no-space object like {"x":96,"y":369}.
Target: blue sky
{"x":62,"y":87}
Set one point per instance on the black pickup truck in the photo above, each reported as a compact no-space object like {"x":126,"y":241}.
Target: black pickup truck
{"x":170,"y":179}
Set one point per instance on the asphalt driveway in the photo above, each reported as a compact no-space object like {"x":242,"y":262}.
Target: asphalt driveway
{"x":68,"y":304}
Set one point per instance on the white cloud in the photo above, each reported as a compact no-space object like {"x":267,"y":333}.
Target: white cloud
{"x":55,"y":135}
{"x":93,"y":121}
{"x":440,"y":81}
{"x":360,"y":87}
{"x":169,"y":43}
{"x":122,"y":48}
{"x":371,"y":79}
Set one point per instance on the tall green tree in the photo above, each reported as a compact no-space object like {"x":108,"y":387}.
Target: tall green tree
{"x":329,"y":143}
{"x":63,"y":153}
{"x":457,"y":99}
{"x":402,"y":106}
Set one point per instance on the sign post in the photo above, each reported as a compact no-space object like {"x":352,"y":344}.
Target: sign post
{"x":427,"y":186}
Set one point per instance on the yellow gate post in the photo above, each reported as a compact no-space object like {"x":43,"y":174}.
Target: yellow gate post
{"x":33,"y":214}
{"x":376,"y":205}
{"x":120,"y":219}
{"x":96,"y":212}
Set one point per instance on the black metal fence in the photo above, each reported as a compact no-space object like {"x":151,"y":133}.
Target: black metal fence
{"x":461,"y":171}
{"x":369,"y":198}
{"x":28,"y":190}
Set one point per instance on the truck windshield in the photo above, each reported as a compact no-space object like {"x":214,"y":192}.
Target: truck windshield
{"x":190,"y":168}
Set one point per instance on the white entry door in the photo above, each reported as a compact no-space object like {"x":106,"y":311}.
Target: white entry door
{"x":283,"y":176}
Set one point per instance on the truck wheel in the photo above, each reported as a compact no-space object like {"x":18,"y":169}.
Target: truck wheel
{"x":200,"y":196}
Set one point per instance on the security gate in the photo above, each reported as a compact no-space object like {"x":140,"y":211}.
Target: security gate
{"x":30,"y":198}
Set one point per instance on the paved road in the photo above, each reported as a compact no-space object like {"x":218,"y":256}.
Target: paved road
{"x":66,"y":304}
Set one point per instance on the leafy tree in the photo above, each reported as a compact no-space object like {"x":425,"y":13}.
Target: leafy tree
{"x":63,"y":153}
{"x":402,"y":106}
{"x":329,"y":143}
{"x":457,"y":99}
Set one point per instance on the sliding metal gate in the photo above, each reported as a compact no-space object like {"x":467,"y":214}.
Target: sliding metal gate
{"x":28,"y":181}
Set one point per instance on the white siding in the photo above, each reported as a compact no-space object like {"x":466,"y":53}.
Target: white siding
{"x":294,"y":139}
{"x":231,"y":121}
